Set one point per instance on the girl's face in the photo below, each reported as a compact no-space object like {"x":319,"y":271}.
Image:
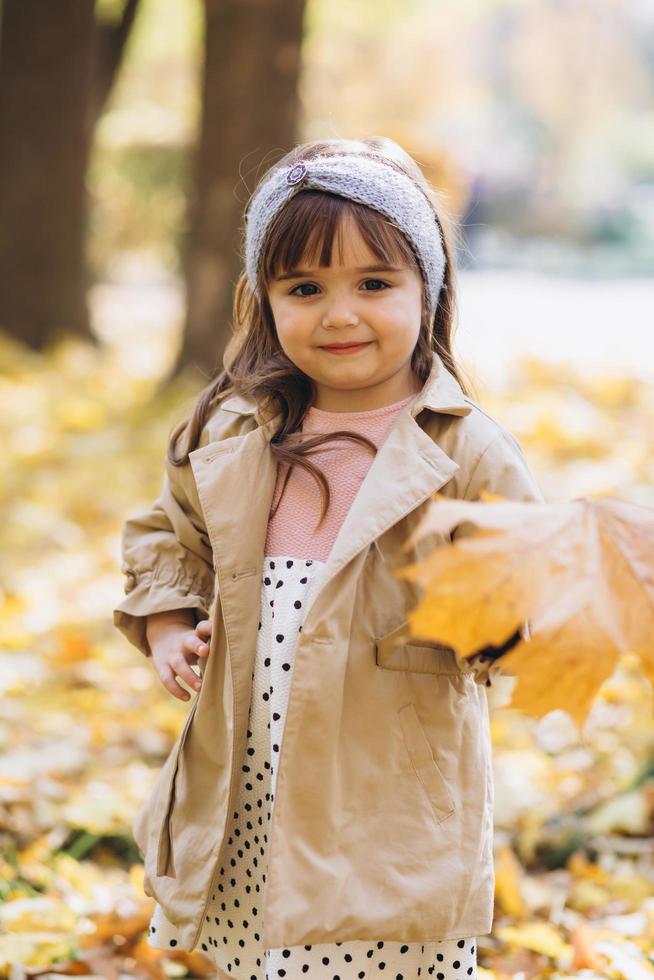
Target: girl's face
{"x":357,"y":301}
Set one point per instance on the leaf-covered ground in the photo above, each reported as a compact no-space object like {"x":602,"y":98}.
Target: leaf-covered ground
{"x":85,"y":723}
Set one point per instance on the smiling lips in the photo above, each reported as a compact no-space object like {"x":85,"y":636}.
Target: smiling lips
{"x":345,"y":348}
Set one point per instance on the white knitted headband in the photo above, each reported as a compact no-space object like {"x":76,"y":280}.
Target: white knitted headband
{"x":379,"y":183}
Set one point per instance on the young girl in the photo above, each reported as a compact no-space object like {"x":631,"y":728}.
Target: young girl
{"x":326,"y":810}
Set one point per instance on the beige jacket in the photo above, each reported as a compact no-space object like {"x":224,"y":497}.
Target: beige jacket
{"x":382,"y":820}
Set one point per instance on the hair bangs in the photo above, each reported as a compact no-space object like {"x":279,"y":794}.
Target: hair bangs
{"x":305,"y":229}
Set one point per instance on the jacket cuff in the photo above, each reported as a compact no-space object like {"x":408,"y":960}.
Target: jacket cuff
{"x":155,"y":590}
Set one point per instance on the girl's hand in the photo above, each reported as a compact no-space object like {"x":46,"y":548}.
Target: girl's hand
{"x":176,"y":646}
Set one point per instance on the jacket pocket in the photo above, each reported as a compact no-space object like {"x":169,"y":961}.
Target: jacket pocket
{"x":425,"y":765}
{"x":164,"y":842}
{"x":397,"y":650}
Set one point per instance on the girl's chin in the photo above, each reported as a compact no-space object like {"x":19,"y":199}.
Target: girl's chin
{"x":347,"y":378}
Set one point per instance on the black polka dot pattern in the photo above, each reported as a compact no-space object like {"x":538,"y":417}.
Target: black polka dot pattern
{"x":232,"y":929}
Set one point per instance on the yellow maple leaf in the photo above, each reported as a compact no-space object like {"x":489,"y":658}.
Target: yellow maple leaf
{"x":564,"y":588}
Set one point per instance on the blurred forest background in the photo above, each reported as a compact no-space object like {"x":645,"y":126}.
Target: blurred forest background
{"x":131,"y":135}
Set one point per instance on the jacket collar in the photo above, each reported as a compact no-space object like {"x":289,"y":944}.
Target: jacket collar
{"x":441,"y":392}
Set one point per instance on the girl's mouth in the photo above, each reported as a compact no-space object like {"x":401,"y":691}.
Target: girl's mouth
{"x":346,"y":349}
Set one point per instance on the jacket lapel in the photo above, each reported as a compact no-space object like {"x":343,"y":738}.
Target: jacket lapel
{"x":407,"y":469}
{"x":235,"y":479}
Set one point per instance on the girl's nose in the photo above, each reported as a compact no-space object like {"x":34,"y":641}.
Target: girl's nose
{"x":340,"y":314}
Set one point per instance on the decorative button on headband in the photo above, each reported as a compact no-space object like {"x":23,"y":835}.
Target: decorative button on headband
{"x":296,"y":173}
{"x":378,"y":183}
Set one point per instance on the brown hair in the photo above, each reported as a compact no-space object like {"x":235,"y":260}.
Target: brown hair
{"x":254,"y":363}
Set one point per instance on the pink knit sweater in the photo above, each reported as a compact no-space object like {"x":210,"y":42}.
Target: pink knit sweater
{"x":293,"y":530}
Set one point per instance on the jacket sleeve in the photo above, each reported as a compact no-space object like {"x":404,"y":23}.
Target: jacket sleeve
{"x":166,"y":558}
{"x":502,"y":469}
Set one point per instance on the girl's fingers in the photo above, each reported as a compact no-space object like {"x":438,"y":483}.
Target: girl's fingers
{"x":167,"y":676}
{"x":195,"y":647}
{"x":203,"y":629}
{"x":182,"y":668}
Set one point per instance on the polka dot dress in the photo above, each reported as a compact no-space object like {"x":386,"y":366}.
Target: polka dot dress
{"x":232,"y":930}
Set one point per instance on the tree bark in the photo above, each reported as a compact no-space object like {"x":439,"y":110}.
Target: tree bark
{"x":249,"y":119}
{"x":56,"y":70}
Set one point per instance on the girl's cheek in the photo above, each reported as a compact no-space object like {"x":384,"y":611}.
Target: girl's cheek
{"x":294,"y":347}
{"x":295,"y":334}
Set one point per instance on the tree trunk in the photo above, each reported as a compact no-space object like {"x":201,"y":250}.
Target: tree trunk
{"x":56,"y":70}
{"x":249,"y":119}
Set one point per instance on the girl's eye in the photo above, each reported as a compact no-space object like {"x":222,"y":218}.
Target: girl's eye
{"x":302,"y":285}
{"x":310,"y":285}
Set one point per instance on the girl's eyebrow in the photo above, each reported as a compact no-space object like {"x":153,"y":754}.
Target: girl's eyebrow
{"x":299,"y":273}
